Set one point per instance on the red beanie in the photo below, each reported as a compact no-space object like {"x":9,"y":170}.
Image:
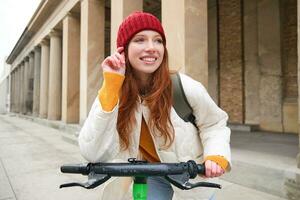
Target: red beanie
{"x":136,"y":22}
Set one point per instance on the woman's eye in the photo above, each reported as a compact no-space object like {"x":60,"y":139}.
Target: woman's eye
{"x":159,"y":41}
{"x":139,"y":40}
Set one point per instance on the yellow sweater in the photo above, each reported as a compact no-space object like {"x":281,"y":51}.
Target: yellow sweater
{"x":108,"y":96}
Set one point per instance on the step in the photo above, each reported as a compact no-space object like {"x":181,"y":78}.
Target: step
{"x":243,"y":127}
{"x":262,"y":161}
{"x":266,"y":162}
{"x":69,"y":132}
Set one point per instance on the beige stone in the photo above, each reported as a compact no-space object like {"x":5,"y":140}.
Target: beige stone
{"x":36,"y":80}
{"x":44,"y":81}
{"x":15,"y":88}
{"x":55,"y":76}
{"x":71,"y":69}
{"x":121,"y":9}
{"x":12,"y":91}
{"x":91,"y":52}
{"x":213,"y":68}
{"x":186,"y":51}
{"x":290,"y":116}
{"x":252,"y":70}
{"x":18,"y":88}
{"x":22,"y":98}
{"x":271,"y":103}
{"x":30,"y":86}
{"x":26,"y":85}
{"x":269,"y":55}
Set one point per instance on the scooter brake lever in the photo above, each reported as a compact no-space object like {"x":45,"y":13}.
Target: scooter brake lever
{"x":182,"y":181}
{"x":94,"y":180}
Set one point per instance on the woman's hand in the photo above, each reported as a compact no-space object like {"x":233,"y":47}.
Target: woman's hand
{"x":212,"y":169}
{"x":115,"y":62}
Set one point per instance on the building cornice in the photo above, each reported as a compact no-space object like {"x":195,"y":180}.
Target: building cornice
{"x":42,"y":13}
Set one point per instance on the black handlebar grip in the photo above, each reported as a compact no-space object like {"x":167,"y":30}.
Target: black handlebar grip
{"x":201,"y":169}
{"x":75,"y":169}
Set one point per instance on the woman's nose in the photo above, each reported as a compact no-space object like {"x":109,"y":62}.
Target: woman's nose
{"x":150,"y":46}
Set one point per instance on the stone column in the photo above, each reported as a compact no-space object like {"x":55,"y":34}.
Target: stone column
{"x":12,"y":91}
{"x":16,"y":88}
{"x":269,"y":55}
{"x":120,"y":9}
{"x":36,"y":80}
{"x":26,"y":85}
{"x":91,"y":51}
{"x":22,"y":97}
{"x":187,"y":36}
{"x":19,"y":88}
{"x":30,"y":87}
{"x":252,"y":70}
{"x":71,"y":69}
{"x":44,"y":81}
{"x":55,"y":76}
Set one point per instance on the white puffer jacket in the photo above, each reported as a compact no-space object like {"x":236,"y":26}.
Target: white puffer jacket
{"x":99,"y":140}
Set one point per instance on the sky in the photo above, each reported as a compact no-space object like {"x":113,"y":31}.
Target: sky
{"x":14,"y":17}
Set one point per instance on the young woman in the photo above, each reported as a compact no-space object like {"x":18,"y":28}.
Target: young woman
{"x":133,"y":115}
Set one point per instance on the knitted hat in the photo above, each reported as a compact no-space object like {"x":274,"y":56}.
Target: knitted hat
{"x":136,"y":22}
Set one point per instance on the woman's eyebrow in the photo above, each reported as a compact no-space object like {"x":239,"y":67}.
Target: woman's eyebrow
{"x":137,"y":35}
{"x":142,"y":35}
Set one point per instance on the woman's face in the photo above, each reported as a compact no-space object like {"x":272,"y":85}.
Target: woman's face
{"x":146,"y":52}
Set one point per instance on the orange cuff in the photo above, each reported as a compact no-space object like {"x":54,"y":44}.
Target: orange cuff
{"x":108,"y":95}
{"x":220,"y":160}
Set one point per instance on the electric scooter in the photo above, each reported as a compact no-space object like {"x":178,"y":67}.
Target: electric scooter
{"x":178,"y":174}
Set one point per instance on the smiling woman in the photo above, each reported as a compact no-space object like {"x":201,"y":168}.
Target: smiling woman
{"x":145,"y":54}
{"x":133,"y":115}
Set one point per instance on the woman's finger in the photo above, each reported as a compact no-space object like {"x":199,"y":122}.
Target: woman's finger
{"x":117,"y":61}
{"x":220,"y":171}
{"x":121,"y":58}
{"x":208,"y":168}
{"x":213,"y":169}
{"x":109,"y":62}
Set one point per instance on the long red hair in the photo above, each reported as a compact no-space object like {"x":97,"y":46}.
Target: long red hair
{"x":158,"y":100}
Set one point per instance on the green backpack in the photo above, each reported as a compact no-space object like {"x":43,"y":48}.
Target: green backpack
{"x":180,"y":103}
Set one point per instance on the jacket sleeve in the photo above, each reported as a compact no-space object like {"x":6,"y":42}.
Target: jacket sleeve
{"x":98,"y":139}
{"x":210,"y":119}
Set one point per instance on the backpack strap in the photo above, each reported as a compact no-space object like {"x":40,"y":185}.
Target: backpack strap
{"x":180,"y":103}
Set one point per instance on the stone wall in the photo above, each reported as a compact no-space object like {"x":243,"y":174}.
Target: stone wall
{"x":231,"y":59}
{"x":289,"y":62}
{"x":289,"y":48}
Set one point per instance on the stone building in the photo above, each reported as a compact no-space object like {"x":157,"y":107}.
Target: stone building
{"x":243,"y":51}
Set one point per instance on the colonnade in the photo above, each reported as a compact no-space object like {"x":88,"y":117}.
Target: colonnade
{"x":59,"y":77}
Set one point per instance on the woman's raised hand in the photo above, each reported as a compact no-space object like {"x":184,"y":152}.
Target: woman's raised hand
{"x":115,"y":63}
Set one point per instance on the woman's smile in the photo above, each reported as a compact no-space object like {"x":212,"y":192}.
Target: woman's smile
{"x":146,"y":52}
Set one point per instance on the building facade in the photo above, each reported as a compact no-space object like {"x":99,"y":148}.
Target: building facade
{"x":243,"y":51}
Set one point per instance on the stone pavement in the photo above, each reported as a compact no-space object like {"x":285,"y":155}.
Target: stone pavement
{"x":31,"y":155}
